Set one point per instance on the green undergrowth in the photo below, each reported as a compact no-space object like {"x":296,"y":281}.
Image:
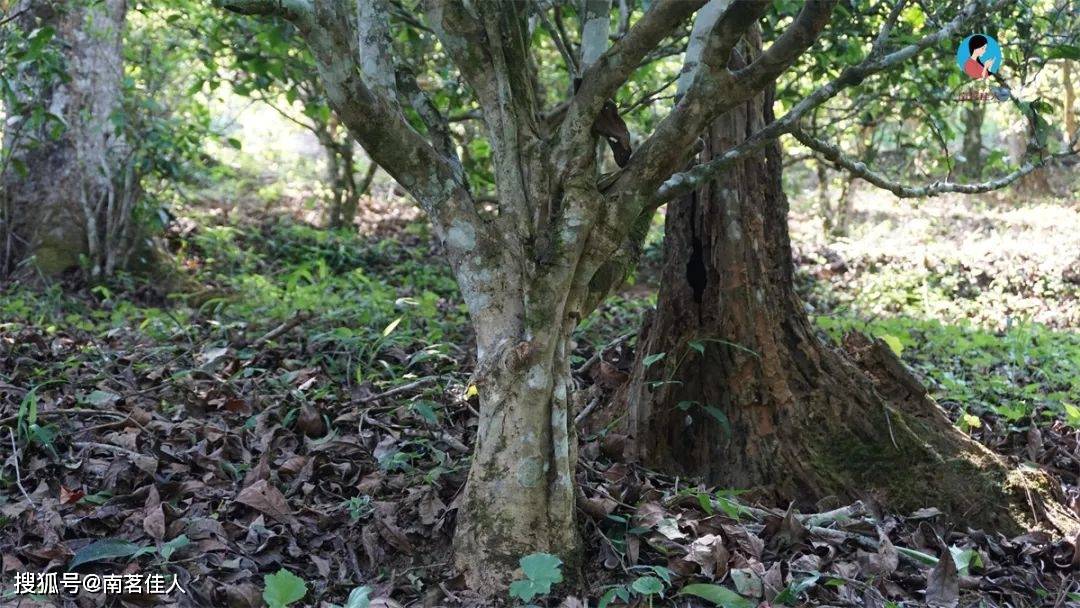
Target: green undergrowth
{"x":1026,"y":373}
{"x":380,"y":308}
{"x":377,"y":308}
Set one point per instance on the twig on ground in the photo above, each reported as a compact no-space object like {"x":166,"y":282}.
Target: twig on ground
{"x":593,"y":360}
{"x":395,"y":429}
{"x":300,"y":317}
{"x":72,"y":411}
{"x":18,"y":473}
{"x":867,"y":543}
{"x":106,"y":425}
{"x":856,"y":509}
{"x":404,"y":388}
{"x":587,"y":411}
{"x":812,"y":520}
{"x":107,"y":447}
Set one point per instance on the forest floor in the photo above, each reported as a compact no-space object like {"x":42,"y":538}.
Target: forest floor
{"x":293,"y":398}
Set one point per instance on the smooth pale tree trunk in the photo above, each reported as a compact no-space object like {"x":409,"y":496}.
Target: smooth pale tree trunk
{"x":67,"y":203}
{"x":519,"y":498}
{"x":747,"y":395}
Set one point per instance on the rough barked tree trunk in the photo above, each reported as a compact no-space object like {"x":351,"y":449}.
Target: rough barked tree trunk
{"x":747,"y":396}
{"x":67,"y":205}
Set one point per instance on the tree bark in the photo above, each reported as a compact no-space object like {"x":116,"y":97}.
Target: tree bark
{"x":973,"y":122}
{"x":60,"y":208}
{"x":747,"y":396}
{"x":519,"y":498}
{"x":341,"y":173}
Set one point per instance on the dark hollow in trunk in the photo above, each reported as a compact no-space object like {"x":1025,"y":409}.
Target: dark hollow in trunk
{"x":747,"y":396}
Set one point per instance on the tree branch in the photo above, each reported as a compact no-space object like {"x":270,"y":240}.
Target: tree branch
{"x":594,"y":32}
{"x":560,"y":43}
{"x":681,"y":183}
{"x":437,"y":125}
{"x":859,"y":169}
{"x":299,"y":12}
{"x":376,"y":61}
{"x":611,"y":70}
{"x":711,"y":93}
{"x":798,"y":37}
{"x":699,"y":36}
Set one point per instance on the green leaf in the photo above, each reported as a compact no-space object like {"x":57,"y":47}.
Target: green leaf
{"x":647,"y":585}
{"x":965,"y":559}
{"x":426,"y":411}
{"x":171,"y":547}
{"x":524,"y":590}
{"x":720,"y":596}
{"x":894,"y":344}
{"x":359,"y":598}
{"x":1072,"y":415}
{"x":653,"y":358}
{"x":283,"y":588}
{"x":1064,"y":51}
{"x":720,"y":417}
{"x":109,"y":548}
{"x":101,"y":398}
{"x":541,"y":571}
{"x":543,"y":568}
{"x":698,"y":346}
{"x":391,"y":327}
{"x":929,"y":560}
{"x":607,"y":597}
{"x":663,"y":573}
{"x":791,"y":594}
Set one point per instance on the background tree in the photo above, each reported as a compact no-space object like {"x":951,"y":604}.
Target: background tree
{"x":257,"y":59}
{"x":98,"y":92}
{"x":561,"y":232}
{"x":63,"y":196}
{"x":732,"y":384}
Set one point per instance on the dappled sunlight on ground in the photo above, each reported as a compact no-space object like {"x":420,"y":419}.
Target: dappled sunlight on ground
{"x":992,"y":259}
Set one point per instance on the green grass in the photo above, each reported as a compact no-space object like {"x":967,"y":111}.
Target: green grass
{"x":1024,"y":374}
{"x":378,"y":308}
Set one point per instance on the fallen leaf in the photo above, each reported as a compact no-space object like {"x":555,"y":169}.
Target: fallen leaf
{"x":69,"y":496}
{"x":747,"y":582}
{"x":431,"y":507}
{"x":265,"y":498}
{"x":943,"y":582}
{"x":154,"y":524}
{"x":310,"y":422}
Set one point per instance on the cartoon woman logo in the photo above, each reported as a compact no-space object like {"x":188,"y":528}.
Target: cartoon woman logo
{"x":979,"y":56}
